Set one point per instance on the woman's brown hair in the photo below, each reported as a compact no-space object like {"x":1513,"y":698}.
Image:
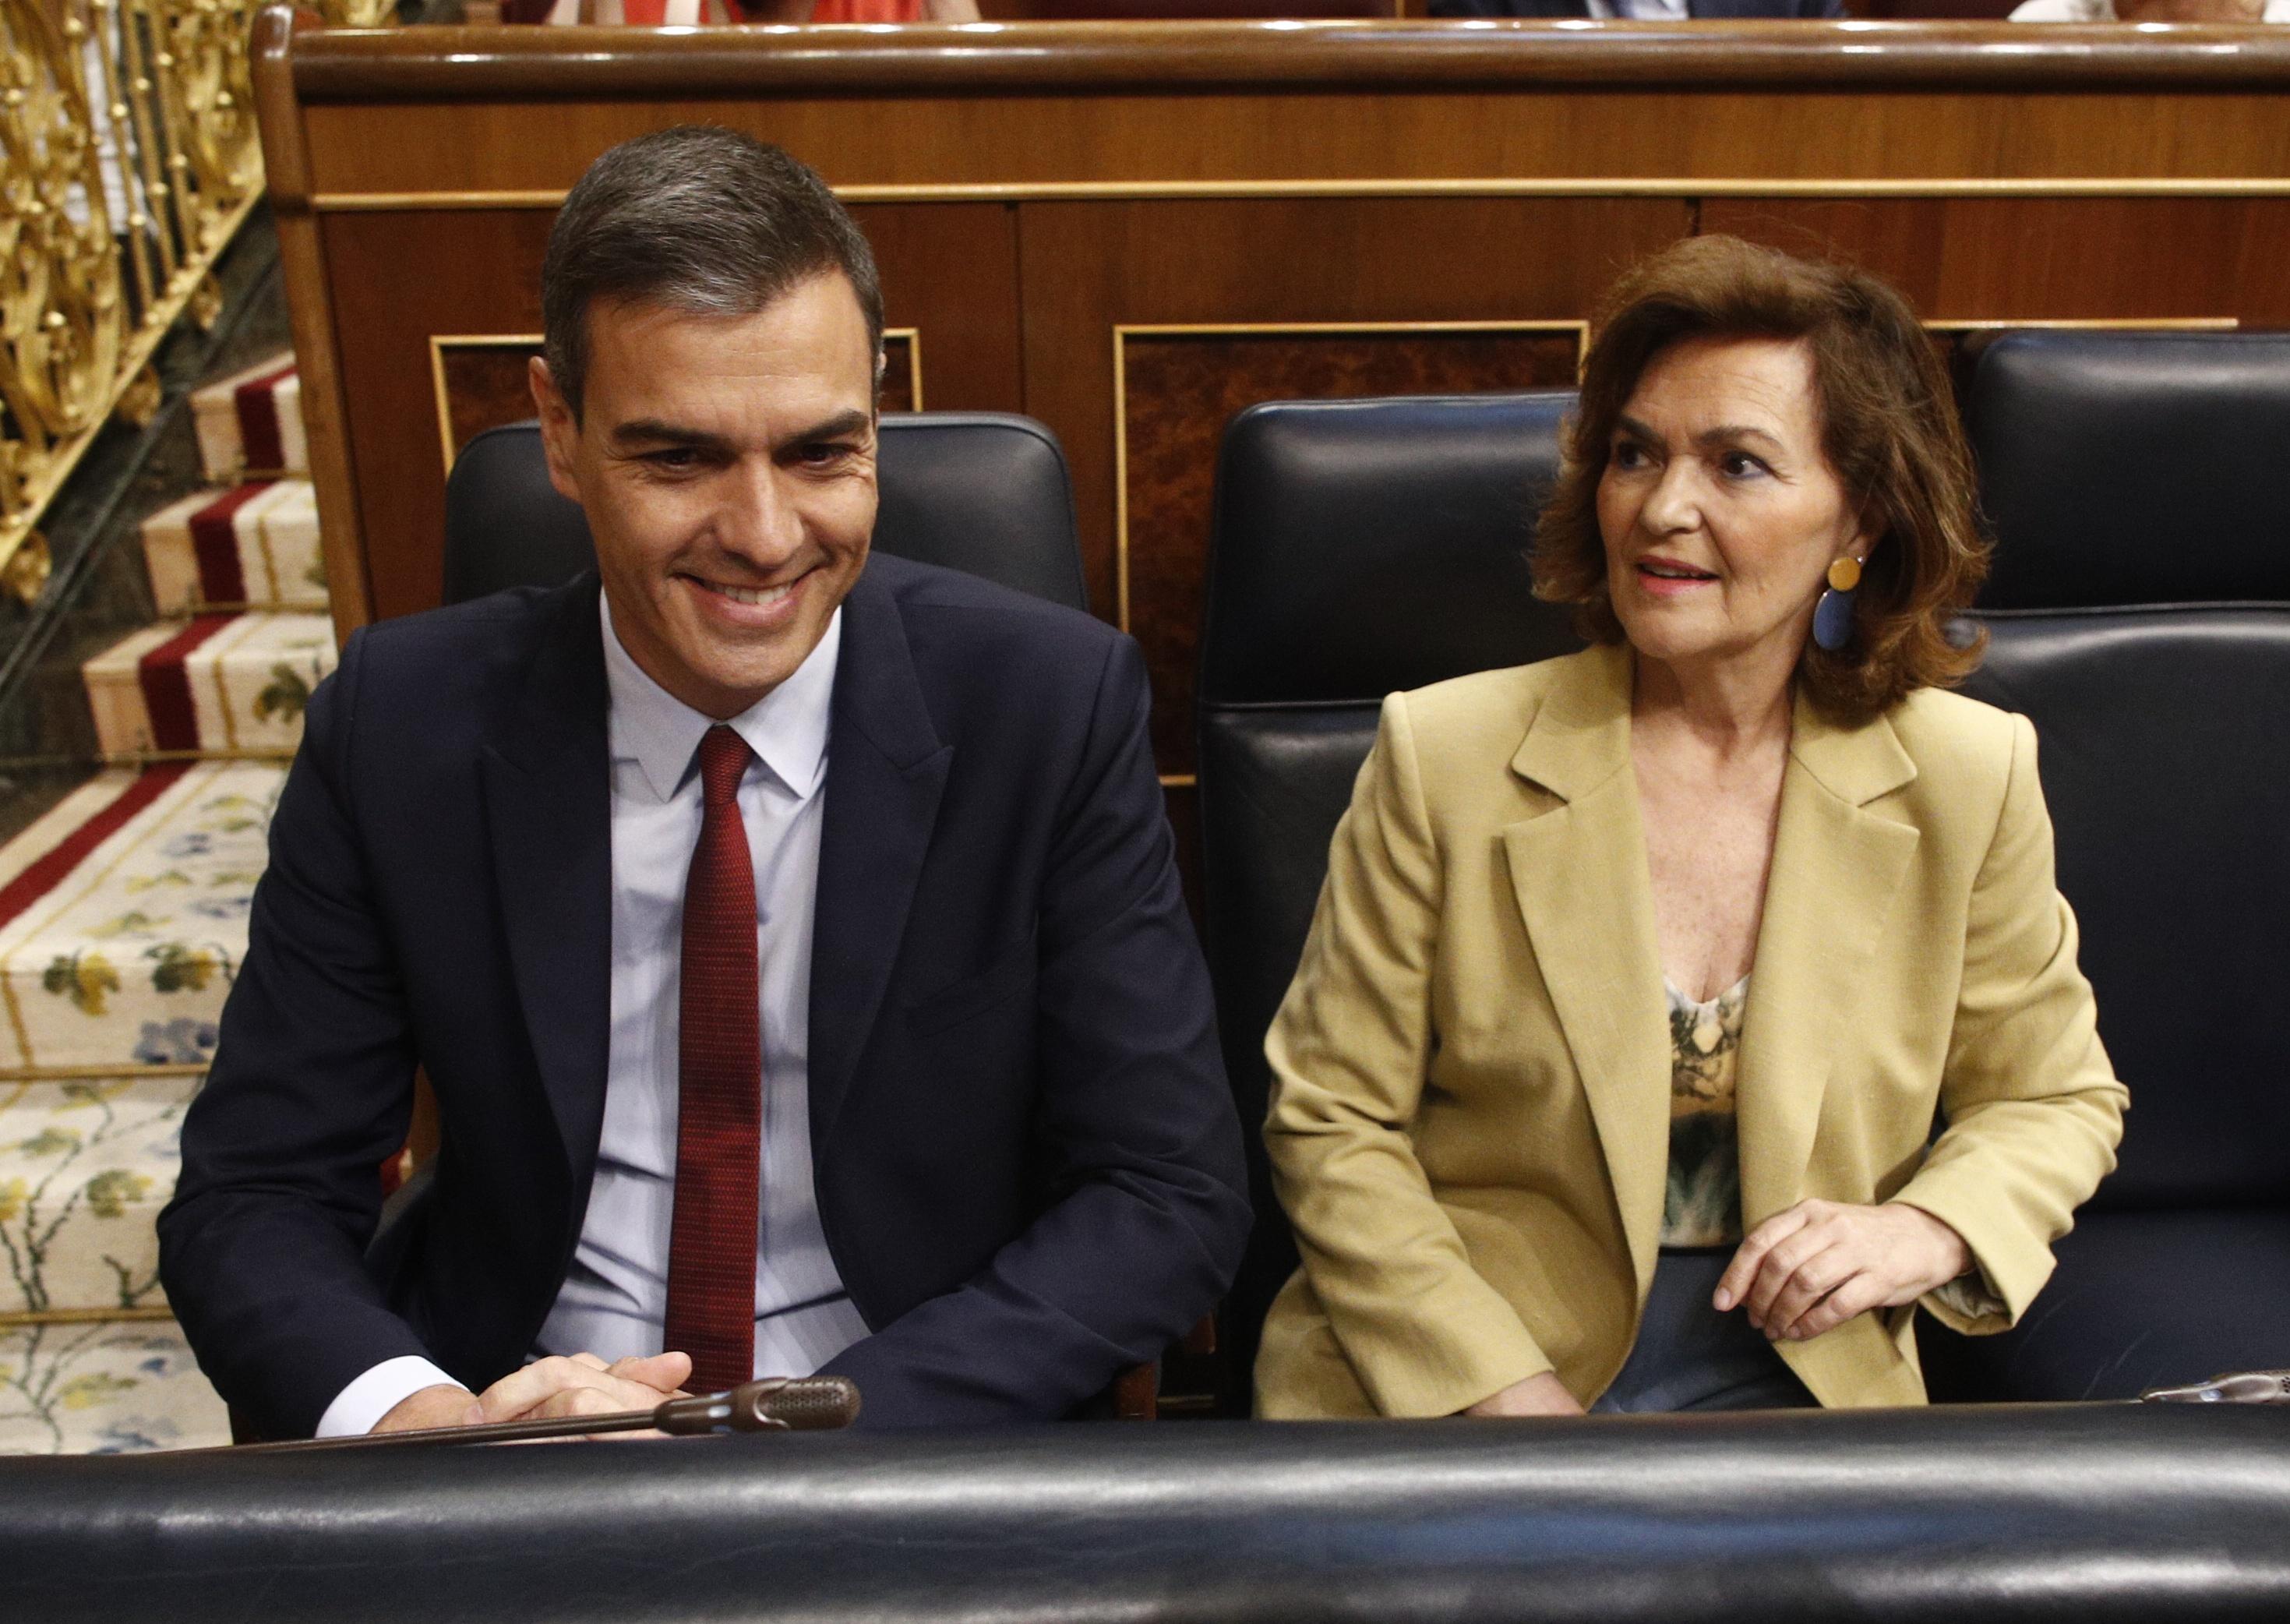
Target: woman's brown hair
{"x":1888,"y":426}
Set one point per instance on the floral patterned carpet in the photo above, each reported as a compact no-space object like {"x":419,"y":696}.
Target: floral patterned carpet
{"x":123,"y":919}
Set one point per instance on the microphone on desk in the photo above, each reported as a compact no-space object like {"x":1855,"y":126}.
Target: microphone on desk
{"x":2236,"y":1388}
{"x":776,"y":1404}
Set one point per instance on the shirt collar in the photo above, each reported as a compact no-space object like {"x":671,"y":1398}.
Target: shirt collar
{"x":787,"y":728}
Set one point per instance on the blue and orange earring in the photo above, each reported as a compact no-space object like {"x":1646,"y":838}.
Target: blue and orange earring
{"x":1832,"y":617}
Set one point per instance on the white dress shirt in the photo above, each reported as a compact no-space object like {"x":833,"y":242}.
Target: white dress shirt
{"x":615,"y":1299}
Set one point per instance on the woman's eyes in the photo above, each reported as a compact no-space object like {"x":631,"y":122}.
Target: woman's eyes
{"x":1630,"y":456}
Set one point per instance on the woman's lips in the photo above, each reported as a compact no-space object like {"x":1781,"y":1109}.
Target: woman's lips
{"x":1667,"y":579}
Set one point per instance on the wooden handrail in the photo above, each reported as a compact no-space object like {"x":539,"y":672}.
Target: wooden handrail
{"x":493,"y":63}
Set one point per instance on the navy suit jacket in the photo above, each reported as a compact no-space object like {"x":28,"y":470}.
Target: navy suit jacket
{"x":1028,"y":1164}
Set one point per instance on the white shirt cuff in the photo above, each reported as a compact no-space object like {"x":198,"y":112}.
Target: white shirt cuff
{"x":374,"y":1394}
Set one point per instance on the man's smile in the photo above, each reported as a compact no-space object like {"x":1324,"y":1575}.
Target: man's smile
{"x":749,"y":607}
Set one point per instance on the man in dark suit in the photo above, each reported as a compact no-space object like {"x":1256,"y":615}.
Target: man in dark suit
{"x":793,"y":941}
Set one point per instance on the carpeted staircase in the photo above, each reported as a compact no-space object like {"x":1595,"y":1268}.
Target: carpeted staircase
{"x":123,"y":918}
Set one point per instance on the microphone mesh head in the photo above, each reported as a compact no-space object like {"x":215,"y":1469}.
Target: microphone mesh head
{"x":807,"y":1403}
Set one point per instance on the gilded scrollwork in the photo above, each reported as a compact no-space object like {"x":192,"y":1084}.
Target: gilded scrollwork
{"x":128,"y":156}
{"x":61,"y":320}
{"x":207,"y":101}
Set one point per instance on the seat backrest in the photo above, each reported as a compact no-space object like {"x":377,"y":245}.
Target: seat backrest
{"x":2164,"y":745}
{"x":2133,"y":467}
{"x":980,"y":492}
{"x":1360,"y":547}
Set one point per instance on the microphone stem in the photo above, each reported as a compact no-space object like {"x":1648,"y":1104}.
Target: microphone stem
{"x":491,"y":1432}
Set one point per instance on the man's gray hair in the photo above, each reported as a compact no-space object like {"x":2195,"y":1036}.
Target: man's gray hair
{"x":697,"y":218}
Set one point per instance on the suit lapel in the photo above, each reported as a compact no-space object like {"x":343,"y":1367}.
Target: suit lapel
{"x":548,"y":792}
{"x":886,"y":772}
{"x":1836,"y":873}
{"x":1579,"y":872}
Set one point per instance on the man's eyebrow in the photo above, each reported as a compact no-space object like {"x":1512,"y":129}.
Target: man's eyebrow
{"x":652,"y":431}
{"x":845,"y":422}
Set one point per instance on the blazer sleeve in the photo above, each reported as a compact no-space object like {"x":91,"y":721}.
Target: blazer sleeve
{"x":2033,"y":1108}
{"x":1349,"y":1051}
{"x":262,"y":1248}
{"x":1137,"y":1130}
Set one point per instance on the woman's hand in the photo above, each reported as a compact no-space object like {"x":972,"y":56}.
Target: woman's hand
{"x":1815,"y":1266}
{"x":1543,"y":1394}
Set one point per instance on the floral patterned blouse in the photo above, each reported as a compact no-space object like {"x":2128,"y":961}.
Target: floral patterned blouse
{"x":1702,"y":1206}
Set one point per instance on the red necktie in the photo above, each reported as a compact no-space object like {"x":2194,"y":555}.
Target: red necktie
{"x":719,"y":1132}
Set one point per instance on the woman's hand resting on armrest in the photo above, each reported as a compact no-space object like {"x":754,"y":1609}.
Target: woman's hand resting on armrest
{"x":1811,"y":1268}
{"x":1543,"y":1394}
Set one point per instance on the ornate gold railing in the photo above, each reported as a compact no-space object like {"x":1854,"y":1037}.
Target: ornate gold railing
{"x":128,"y":159}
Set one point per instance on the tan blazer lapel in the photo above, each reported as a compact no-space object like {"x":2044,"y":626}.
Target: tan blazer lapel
{"x":1579,"y":871}
{"x":1836,"y":874}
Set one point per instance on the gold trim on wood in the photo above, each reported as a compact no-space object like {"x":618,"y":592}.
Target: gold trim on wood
{"x":23,"y":1319}
{"x":1179,"y":781}
{"x":152,"y":758}
{"x":1125,"y":331}
{"x":98,"y":1074}
{"x":1606,"y":186}
{"x":914,"y":338}
{"x":2111,"y":323}
{"x":439,"y":342}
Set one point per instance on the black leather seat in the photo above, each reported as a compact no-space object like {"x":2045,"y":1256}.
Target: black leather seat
{"x":2140,"y":616}
{"x":2133,"y":467}
{"x":980,"y":492}
{"x":2165,"y":750}
{"x":1360,"y":547}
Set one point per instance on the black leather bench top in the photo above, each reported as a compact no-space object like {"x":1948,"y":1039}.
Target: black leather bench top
{"x":2079,"y":1512}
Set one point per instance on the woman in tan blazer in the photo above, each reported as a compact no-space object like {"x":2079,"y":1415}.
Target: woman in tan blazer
{"x":1609,"y":1073}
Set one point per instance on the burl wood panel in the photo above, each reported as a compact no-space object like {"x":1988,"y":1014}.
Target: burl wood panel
{"x":1180,"y":391}
{"x":398,"y":280}
{"x":1088,"y":267}
{"x":486,"y":385}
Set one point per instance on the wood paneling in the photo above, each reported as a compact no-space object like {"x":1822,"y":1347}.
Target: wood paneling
{"x":1089,"y":267}
{"x":399,"y":281}
{"x":1496,"y":138}
{"x":1179,"y":389}
{"x":1989,"y":258}
{"x":1032,"y":191}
